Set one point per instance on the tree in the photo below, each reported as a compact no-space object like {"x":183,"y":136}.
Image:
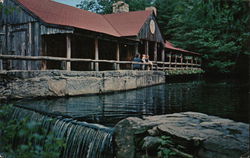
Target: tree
{"x":217,"y":29}
{"x":105,"y":6}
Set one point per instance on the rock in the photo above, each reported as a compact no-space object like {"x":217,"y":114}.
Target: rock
{"x":125,"y":137}
{"x":151,"y":143}
{"x":153,"y":132}
{"x":211,"y":136}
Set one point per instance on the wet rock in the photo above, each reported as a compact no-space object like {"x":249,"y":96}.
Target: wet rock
{"x":210,"y":136}
{"x":151,"y":143}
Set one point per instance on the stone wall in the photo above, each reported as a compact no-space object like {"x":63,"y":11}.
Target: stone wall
{"x":29,"y":84}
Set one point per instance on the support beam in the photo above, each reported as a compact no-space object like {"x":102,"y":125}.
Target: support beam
{"x":175,"y":60}
{"x":155,"y":51}
{"x":29,"y":52}
{"x":169,"y":60}
{"x":136,"y":48}
{"x":44,"y":53}
{"x":68,"y":63}
{"x":146,"y":47}
{"x":181,"y":60}
{"x":96,"y":55}
{"x":192,"y":61}
{"x":2,"y":49}
{"x":117,"y":56}
{"x":163,"y":57}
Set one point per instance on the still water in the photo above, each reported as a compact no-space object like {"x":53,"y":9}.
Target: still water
{"x":226,"y":99}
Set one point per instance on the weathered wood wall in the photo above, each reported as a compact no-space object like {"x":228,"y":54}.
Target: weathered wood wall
{"x":146,"y":34}
{"x":20,"y":34}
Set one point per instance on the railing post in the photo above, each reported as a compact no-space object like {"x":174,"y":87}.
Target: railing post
{"x":92,"y":66}
{"x":175,"y":60}
{"x":146,"y":47}
{"x":117,"y":65}
{"x":155,"y":51}
{"x":44,"y":53}
{"x":192,"y":62}
{"x":136,"y":48}
{"x":96,"y":55}
{"x":181,"y":61}
{"x":68,"y":63}
{"x":169,"y":60}
{"x":163,"y":57}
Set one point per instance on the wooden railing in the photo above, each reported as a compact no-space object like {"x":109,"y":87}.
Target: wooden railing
{"x":157,"y":65}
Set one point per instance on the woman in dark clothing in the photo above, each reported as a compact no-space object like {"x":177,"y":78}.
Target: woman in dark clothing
{"x":137,"y":59}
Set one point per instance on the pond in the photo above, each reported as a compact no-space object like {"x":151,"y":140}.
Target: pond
{"x":227,"y":99}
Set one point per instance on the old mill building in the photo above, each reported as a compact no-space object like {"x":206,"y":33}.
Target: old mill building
{"x":45,"y":35}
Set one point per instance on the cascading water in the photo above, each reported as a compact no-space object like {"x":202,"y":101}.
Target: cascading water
{"x":83,"y":140}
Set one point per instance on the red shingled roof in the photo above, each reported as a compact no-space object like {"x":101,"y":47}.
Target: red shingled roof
{"x":169,"y":45}
{"x":120,"y":24}
{"x":128,"y":24}
{"x":56,"y":13}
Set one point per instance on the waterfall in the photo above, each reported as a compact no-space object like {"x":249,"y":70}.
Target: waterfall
{"x":83,"y":140}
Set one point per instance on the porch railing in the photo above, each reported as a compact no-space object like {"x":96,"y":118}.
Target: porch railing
{"x":157,"y":65}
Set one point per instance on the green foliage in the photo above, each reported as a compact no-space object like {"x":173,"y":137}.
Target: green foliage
{"x":219,"y":30}
{"x":105,"y":6}
{"x":26,"y":138}
{"x":184,"y":72}
{"x":164,"y":149}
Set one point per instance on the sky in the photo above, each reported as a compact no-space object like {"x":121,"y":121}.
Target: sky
{"x":69,"y":2}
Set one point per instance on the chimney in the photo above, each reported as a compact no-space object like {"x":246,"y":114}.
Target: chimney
{"x":120,"y":7}
{"x":153,"y":9}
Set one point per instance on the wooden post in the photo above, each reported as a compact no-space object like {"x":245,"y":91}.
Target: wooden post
{"x":136,"y":48}
{"x":175,"y":60}
{"x":117,"y":56}
{"x":3,"y":46}
{"x":155,"y":51}
{"x":92,"y":68}
{"x":44,"y":53}
{"x":170,"y":58}
{"x":181,"y":60}
{"x":68,"y":63}
{"x":192,"y":62}
{"x":96,"y":55}
{"x":163,"y":57}
{"x":29,"y":52}
{"x":146,"y":47}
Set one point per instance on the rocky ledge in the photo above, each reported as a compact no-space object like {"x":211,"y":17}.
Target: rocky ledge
{"x":181,"y":135}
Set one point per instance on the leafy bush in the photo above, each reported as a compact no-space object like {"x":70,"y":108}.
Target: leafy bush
{"x":27,"y":138}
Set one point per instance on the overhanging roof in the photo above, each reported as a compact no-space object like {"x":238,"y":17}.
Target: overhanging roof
{"x":118,"y":25}
{"x":169,"y":45}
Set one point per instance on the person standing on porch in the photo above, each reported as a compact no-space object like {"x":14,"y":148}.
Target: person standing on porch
{"x":137,"y":59}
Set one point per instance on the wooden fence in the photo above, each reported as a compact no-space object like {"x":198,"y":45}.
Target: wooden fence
{"x":157,"y":65}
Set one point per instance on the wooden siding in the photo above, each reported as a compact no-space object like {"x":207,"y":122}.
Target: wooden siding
{"x":18,"y":15}
{"x":47,"y":30}
{"x":146,"y":34}
{"x":21,"y":39}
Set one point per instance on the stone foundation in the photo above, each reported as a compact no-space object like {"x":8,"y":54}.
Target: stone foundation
{"x":30,"y":84}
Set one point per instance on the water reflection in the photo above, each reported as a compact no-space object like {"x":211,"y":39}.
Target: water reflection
{"x":223,"y":99}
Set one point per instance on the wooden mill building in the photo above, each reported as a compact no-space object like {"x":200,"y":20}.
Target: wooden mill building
{"x":51,"y":35}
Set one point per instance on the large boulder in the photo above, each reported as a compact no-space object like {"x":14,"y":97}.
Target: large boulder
{"x":209,"y":136}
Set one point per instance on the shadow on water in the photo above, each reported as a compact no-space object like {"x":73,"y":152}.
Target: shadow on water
{"x":226,"y":99}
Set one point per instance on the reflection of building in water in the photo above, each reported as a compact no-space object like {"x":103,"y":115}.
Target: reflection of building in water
{"x":156,"y":100}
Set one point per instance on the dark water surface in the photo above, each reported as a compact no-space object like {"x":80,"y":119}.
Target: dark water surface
{"x":226,"y":99}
